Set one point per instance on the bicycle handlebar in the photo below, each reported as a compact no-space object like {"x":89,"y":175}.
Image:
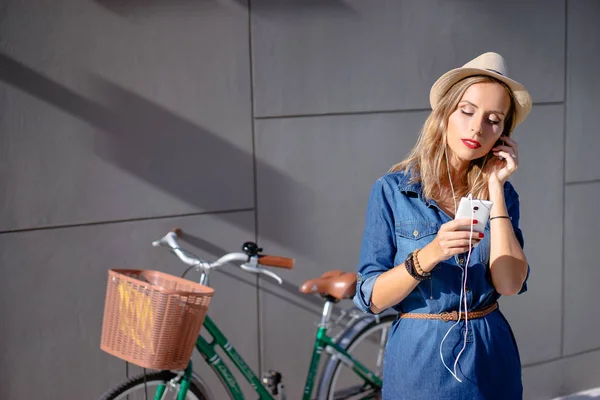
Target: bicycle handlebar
{"x":249,"y":262}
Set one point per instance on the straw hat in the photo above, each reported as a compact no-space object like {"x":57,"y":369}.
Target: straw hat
{"x":488,"y":64}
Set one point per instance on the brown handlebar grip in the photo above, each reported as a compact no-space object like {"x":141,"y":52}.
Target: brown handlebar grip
{"x":178,"y":232}
{"x":276,"y":261}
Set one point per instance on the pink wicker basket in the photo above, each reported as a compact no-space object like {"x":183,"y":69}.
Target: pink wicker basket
{"x":153,"y":319}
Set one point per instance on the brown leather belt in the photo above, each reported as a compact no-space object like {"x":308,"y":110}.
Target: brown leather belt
{"x":448,"y":316}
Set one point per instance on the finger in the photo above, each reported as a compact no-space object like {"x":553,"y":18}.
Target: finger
{"x":458,"y":223}
{"x":510,"y":149}
{"x":511,"y":159}
{"x":460,"y":235}
{"x":461,"y":243}
{"x":505,"y":154}
{"x":510,"y":142}
{"x":507,"y":149}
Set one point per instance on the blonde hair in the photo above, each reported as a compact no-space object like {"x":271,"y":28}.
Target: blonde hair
{"x":426,"y":160}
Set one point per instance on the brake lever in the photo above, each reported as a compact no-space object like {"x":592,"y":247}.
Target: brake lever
{"x":258,"y":270}
{"x":272,"y":275}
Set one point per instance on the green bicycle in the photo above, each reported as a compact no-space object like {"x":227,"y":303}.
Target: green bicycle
{"x":343,"y":376}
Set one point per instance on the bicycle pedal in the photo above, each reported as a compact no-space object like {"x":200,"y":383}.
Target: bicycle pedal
{"x":272,"y":380}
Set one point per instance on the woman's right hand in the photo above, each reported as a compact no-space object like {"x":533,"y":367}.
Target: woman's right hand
{"x":452,"y":239}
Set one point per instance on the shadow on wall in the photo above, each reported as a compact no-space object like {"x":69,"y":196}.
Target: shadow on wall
{"x":162,"y":148}
{"x":167,"y":151}
{"x":172,"y":153}
{"x":191,"y":163}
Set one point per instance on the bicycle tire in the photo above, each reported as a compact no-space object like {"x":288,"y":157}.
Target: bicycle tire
{"x":347,"y":340}
{"x":151,"y":379}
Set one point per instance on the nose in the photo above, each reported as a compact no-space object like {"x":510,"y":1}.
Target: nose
{"x":477,"y":125}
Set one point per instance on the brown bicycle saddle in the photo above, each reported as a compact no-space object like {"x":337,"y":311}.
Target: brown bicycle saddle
{"x":337,"y":284}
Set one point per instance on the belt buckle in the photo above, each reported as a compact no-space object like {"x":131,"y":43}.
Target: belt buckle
{"x":449,"y":316}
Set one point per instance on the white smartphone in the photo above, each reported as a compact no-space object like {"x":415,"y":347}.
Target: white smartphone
{"x":476,"y":209}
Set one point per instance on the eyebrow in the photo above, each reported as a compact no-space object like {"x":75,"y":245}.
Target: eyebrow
{"x":493,"y":111}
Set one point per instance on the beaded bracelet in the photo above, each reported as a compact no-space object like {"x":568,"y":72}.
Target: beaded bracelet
{"x":409,"y":263}
{"x":416,"y":262}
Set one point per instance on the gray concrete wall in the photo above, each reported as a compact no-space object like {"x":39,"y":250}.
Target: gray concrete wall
{"x":122,"y":119}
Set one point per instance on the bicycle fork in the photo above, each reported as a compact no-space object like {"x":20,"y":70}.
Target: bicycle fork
{"x":182,"y":380}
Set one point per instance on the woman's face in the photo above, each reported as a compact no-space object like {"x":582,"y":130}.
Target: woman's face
{"x":478,"y":121}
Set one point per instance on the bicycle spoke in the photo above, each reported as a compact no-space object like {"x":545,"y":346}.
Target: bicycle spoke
{"x":340,"y":380}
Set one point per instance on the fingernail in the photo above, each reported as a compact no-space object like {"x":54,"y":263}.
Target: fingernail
{"x":481,"y":235}
{"x":475,"y":221}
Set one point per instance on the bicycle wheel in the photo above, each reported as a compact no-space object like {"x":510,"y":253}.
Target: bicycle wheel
{"x":140,"y":388}
{"x":365,"y":341}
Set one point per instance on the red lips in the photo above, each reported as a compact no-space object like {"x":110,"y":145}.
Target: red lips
{"x":472,"y":144}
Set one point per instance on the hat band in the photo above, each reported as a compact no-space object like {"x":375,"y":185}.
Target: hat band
{"x":497,"y":72}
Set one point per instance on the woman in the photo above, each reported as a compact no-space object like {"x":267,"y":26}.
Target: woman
{"x":414,"y":252}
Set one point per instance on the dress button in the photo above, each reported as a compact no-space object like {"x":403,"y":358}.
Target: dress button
{"x":416,"y":233}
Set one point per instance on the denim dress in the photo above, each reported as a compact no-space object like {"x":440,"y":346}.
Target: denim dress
{"x":399,"y":220}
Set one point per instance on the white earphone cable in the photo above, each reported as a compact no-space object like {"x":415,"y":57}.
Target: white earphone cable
{"x":463,"y":297}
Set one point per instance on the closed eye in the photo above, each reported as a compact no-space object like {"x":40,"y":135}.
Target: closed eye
{"x":490,"y":121}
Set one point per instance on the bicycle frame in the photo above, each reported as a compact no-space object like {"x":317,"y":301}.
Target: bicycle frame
{"x":207,"y":350}
{"x":322,"y":341}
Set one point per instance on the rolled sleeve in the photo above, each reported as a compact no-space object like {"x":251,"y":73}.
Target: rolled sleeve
{"x":514,"y":213}
{"x":364,"y":290}
{"x":378,"y":244}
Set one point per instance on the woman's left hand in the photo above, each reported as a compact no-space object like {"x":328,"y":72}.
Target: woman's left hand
{"x":503,"y":169}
